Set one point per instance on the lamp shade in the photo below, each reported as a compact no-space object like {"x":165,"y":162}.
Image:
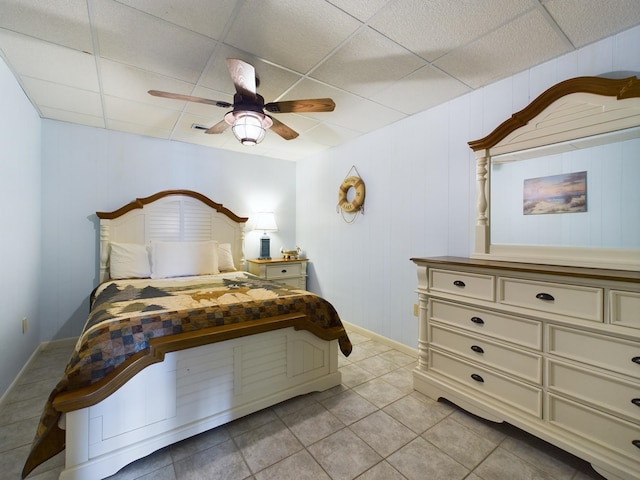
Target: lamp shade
{"x":266,"y":222}
{"x":249,"y":127}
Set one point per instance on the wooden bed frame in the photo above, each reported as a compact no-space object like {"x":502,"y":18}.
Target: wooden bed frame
{"x":190,"y":384}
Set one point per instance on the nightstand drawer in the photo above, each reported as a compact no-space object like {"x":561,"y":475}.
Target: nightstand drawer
{"x":284,"y":270}
{"x":504,"y":389}
{"x":479,"y":350}
{"x":462,"y":283}
{"x":570,"y":300}
{"x":521,"y":331}
{"x":615,"y":354}
{"x":602,"y":391}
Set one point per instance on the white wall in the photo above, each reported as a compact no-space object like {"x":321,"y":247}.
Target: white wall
{"x":20,"y":224}
{"x":87,"y":169}
{"x":420,"y":199}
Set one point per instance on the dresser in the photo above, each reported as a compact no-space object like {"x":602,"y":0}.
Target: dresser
{"x":553,"y":350}
{"x":290,"y":272}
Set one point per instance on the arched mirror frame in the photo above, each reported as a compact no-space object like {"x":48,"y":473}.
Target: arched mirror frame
{"x":573,"y":109}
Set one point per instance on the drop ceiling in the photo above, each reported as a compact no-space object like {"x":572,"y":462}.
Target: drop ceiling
{"x":91,"y":62}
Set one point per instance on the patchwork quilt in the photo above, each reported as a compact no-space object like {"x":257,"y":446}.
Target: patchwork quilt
{"x":126,"y":315}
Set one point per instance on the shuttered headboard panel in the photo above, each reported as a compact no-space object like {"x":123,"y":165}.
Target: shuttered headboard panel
{"x":171,"y":215}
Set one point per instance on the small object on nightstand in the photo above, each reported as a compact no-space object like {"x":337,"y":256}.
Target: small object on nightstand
{"x":289,"y":272}
{"x":290,"y":254}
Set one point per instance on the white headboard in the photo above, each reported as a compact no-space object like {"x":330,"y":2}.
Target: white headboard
{"x":171,"y":215}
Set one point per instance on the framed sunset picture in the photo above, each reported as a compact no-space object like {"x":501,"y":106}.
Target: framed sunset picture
{"x":565,"y":193}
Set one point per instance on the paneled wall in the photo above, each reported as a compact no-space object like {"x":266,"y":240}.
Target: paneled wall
{"x":420,"y":200}
{"x":19,"y":227}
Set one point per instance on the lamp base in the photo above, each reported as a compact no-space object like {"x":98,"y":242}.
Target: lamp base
{"x":265,"y":248}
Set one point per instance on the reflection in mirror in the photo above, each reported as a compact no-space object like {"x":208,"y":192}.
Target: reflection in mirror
{"x":605,"y":215}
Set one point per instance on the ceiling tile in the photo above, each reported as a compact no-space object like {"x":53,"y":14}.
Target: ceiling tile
{"x":308,"y":88}
{"x":139,"y":113}
{"x":48,"y":61}
{"x":64,"y":23}
{"x":421,"y":90}
{"x":137,"y":129}
{"x":202,"y":16}
{"x":72,"y":117}
{"x":129,"y":36}
{"x":361,"y":9}
{"x":367,"y":64}
{"x":500,"y":53}
{"x":431,"y":29}
{"x":331,"y":135}
{"x":62,"y":97}
{"x":366,"y":116}
{"x":288,"y":32}
{"x":585,"y":21}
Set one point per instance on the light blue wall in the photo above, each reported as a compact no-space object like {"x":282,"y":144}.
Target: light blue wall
{"x":420,"y":199}
{"x":88,"y":169}
{"x":20,"y":223}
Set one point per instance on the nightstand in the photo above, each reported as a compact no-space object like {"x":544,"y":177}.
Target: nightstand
{"x":290,"y":272}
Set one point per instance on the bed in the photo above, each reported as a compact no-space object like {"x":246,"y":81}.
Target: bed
{"x":180,"y":339}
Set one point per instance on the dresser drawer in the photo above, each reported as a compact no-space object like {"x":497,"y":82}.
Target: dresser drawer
{"x":605,"y":430}
{"x":570,"y":300}
{"x":602,"y":391}
{"x":462,"y":283}
{"x":617,"y":355}
{"x":520,"y":331}
{"x":284,"y":270}
{"x":504,"y":389}
{"x":525,"y":365}
{"x":624,"y":308}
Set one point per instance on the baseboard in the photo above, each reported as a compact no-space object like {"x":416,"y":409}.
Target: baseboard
{"x":384,"y":340}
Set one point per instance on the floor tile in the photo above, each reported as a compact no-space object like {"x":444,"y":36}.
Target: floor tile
{"x":420,"y":460}
{"x":343,"y":455}
{"x":415,"y":414}
{"x":503,"y":464}
{"x":267,"y":445}
{"x":222,"y":461}
{"x":460,"y":443}
{"x":198,"y":443}
{"x":299,"y":466}
{"x":395,"y":435}
{"x":144,"y":466}
{"x":353,"y":375}
{"x":379,"y":392}
{"x":401,"y":378}
{"x":382,"y":471}
{"x":312,"y":423}
{"x":349,"y":407}
{"x":377,"y":365}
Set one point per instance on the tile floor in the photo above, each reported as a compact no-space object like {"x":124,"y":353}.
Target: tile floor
{"x":373,"y":426}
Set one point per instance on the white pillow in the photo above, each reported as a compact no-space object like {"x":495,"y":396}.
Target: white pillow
{"x":178,"y":259}
{"x":225,"y":258}
{"x":129,"y":260}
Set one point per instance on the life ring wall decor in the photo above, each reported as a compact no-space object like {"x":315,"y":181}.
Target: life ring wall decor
{"x":356,"y":204}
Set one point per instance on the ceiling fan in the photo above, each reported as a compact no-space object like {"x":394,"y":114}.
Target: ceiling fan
{"x":248,"y":119}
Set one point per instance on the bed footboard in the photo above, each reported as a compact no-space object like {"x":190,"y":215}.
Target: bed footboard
{"x":192,"y":391}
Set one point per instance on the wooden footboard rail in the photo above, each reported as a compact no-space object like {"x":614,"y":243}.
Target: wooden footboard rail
{"x":90,"y":395}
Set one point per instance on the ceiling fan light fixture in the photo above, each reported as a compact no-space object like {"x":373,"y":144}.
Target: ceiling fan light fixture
{"x":248,"y":127}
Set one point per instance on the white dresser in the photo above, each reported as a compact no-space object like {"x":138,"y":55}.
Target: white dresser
{"x":550,"y":349}
{"x":291,"y":272}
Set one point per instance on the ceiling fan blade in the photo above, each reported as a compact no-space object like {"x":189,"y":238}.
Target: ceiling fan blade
{"x":189,"y":98}
{"x":282,"y":130}
{"x":243,"y":76}
{"x":219,"y":127}
{"x":299,"y":106}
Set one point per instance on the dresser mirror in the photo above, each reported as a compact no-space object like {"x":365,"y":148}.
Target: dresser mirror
{"x":559,"y":182}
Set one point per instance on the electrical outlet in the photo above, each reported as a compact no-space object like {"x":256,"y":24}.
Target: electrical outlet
{"x":25,"y":325}
{"x":415,"y":309}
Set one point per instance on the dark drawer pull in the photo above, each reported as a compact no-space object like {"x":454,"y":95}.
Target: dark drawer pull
{"x":459,"y":283}
{"x":636,"y":360}
{"x":545,"y":296}
{"x":284,"y":271}
{"x":636,"y":443}
{"x":477,"y":320}
{"x":477,"y":349}
{"x":636,"y":401}
{"x":478,"y":378}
